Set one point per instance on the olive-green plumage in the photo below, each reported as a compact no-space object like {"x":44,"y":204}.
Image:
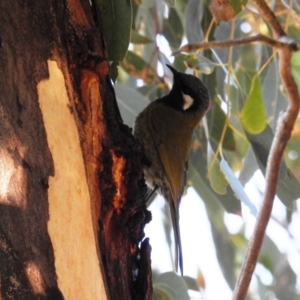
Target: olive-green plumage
{"x":165,"y":129}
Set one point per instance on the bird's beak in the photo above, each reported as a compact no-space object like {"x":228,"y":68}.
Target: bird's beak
{"x":172,"y":70}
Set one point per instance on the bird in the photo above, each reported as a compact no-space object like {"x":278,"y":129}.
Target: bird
{"x":165,"y":128}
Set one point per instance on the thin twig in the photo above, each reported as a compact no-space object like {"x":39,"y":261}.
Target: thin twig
{"x":282,"y":136}
{"x":269,"y":17}
{"x":237,"y":42}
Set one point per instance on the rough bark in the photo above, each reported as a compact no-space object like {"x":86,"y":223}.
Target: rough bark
{"x":72,"y":194}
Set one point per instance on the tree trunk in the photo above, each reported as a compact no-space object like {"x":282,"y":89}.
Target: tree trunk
{"x":72,"y":193}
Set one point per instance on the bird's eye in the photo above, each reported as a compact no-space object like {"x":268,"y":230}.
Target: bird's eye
{"x":184,"y":90}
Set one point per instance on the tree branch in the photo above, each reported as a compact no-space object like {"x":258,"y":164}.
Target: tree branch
{"x":269,"y":17}
{"x":280,"y":44}
{"x":282,"y":135}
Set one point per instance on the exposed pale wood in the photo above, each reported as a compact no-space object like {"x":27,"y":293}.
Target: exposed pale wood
{"x":70,"y":225}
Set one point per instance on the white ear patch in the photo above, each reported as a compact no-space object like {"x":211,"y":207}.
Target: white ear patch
{"x":188,"y":101}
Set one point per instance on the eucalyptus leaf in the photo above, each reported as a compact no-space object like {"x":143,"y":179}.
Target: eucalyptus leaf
{"x":137,"y":38}
{"x":217,"y":179}
{"x":288,"y":189}
{"x":179,"y":63}
{"x":170,"y":286}
{"x":197,"y":176}
{"x":294,"y":32}
{"x":130,"y":102}
{"x":269,"y":254}
{"x":165,"y":61}
{"x":116,"y":17}
{"x":193,"y":18}
{"x":143,"y":11}
{"x":296,"y":67}
{"x":153,"y":92}
{"x":237,"y":187}
{"x":136,"y":66}
{"x":204,"y":190}
{"x":171,"y":3}
{"x":237,"y":5}
{"x":246,"y":70}
{"x":173,"y":29}
{"x":144,"y":15}
{"x":253,"y":114}
{"x":191,"y":283}
{"x":275,"y":101}
{"x":200,"y":62}
{"x":217,"y":122}
{"x":159,"y":6}
{"x":249,"y":167}
{"x":286,"y":280}
{"x":284,"y":276}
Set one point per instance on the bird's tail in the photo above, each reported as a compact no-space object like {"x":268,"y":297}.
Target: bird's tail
{"x":178,"y":249}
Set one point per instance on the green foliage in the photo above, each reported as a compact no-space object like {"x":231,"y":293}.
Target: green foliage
{"x":138,"y":67}
{"x":216,"y":177}
{"x":199,"y":62}
{"x":237,"y":5}
{"x":173,"y":29}
{"x":296,"y":67}
{"x":169,"y":286}
{"x":253,"y":115}
{"x":137,"y":38}
{"x":199,"y":180}
{"x":217,"y":123}
{"x":233,"y":142}
{"x":236,"y":185}
{"x":116,"y":18}
{"x":171,"y":3}
{"x":288,"y":188}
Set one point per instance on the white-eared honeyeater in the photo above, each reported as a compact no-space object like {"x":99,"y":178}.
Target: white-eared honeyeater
{"x":165,"y":128}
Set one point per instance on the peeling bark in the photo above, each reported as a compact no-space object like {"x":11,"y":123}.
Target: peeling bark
{"x":72,"y":193}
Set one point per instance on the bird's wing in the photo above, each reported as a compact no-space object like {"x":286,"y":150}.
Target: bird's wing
{"x":174,"y":166}
{"x":172,"y":141}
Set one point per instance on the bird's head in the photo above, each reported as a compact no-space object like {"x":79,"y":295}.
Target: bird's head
{"x":188,"y":93}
